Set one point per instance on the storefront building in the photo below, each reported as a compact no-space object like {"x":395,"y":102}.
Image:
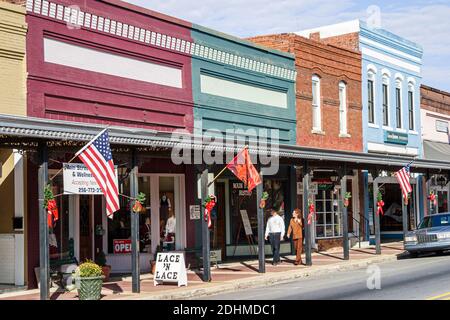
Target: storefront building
{"x":244,"y":92}
{"x":391,"y":79}
{"x":435,"y":116}
{"x":329,"y":116}
{"x":13,"y":29}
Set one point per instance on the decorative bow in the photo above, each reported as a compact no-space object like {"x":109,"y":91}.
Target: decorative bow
{"x":210,"y":202}
{"x":311,"y":214}
{"x":432,"y":198}
{"x":380,"y":205}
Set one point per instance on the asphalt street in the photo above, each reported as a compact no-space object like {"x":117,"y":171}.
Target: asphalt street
{"x":425,"y":277}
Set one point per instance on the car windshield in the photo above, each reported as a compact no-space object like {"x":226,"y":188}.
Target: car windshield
{"x":435,"y":221}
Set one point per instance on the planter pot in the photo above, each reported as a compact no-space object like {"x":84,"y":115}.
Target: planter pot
{"x":346,"y":202}
{"x":89,"y":288}
{"x":106,"y":272}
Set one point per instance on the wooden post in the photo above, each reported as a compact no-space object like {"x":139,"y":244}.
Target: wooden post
{"x":205,"y":229}
{"x":44,"y":263}
{"x":306,"y":177}
{"x":377,"y":217}
{"x":344,"y":214}
{"x":135,"y":268}
{"x":261,"y":241}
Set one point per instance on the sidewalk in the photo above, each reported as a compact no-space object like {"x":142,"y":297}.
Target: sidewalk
{"x":230,"y":276}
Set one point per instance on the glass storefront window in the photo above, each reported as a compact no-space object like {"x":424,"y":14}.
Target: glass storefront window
{"x":328,"y":224}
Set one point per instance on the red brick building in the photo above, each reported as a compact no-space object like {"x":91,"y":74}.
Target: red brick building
{"x":331,"y":68}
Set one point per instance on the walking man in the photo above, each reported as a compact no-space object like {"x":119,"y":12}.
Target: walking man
{"x":275,"y":232}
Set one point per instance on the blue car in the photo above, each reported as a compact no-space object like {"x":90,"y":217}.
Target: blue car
{"x":432,"y":235}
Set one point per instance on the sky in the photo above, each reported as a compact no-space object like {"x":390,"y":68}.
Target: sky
{"x":424,"y":22}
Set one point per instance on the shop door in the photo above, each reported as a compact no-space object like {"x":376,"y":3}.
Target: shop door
{"x":218,"y":239}
{"x":86,"y":230}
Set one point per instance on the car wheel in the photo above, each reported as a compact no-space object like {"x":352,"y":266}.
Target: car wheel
{"x":413,"y":254}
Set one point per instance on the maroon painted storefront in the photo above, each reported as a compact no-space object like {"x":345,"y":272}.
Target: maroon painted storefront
{"x":60,"y":88}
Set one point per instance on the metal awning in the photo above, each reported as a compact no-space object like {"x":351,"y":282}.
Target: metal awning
{"x":29,"y":127}
{"x":434,"y":150}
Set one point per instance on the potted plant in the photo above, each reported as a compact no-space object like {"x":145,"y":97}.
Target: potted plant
{"x":153,"y":262}
{"x":89,"y":280}
{"x":101,"y":261}
{"x":347,"y":197}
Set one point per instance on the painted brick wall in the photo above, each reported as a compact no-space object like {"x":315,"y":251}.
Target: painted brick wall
{"x":62,"y":92}
{"x":332,"y":65}
{"x":349,"y":41}
{"x":12,"y":59}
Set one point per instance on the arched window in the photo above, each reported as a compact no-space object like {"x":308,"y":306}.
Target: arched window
{"x":342,"y":108}
{"x":411,"y":106}
{"x":398,"y":102}
{"x":316,"y":112}
{"x":371,"y":96}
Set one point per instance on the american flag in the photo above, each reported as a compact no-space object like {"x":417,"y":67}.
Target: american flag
{"x":403,"y":176}
{"x":97,"y":157}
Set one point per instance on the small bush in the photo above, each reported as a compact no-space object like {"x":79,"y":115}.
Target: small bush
{"x":89,"y":269}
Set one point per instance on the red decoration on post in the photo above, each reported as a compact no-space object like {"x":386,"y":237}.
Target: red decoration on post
{"x":380,"y":204}
{"x":432,"y":198}
{"x":311,"y":214}
{"x":210,"y":202}
{"x":50,"y":205}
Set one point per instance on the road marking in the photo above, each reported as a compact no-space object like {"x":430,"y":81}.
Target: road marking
{"x":441,"y":296}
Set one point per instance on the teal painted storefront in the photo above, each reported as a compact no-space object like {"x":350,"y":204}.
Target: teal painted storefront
{"x":240,"y":86}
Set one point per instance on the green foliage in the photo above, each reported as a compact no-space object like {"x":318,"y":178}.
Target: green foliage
{"x":141,"y":197}
{"x":89,"y":269}
{"x":48,"y":194}
{"x":348,"y":195}
{"x":379,"y":196}
{"x":100,"y":259}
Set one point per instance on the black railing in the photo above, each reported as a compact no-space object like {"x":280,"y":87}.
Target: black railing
{"x":359,"y":234}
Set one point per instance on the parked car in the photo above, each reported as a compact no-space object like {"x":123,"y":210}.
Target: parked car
{"x":432,"y":235}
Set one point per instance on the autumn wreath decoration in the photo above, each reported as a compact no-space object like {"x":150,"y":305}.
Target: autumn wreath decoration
{"x":262,"y":202}
{"x":347,"y":197}
{"x":50,"y":206}
{"x":138,"y":206}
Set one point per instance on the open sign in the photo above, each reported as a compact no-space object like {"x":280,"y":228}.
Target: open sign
{"x":122,"y":246}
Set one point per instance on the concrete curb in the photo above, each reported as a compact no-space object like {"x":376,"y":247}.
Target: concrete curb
{"x":258,"y":280}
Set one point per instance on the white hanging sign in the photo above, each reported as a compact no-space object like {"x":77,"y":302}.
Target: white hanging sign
{"x":170,"y":267}
{"x":79,"y":180}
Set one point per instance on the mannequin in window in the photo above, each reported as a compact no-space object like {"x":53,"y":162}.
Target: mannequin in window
{"x":170,"y":230}
{"x":164,"y":206}
{"x":145,"y":235}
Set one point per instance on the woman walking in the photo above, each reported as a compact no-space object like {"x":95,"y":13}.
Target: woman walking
{"x":295,"y":228}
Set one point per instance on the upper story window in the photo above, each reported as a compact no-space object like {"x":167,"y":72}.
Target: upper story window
{"x":385,"y":92}
{"x":411,"y":106}
{"x":371,"y":96}
{"x":342,"y":107}
{"x":317,"y":123}
{"x":398,"y":103}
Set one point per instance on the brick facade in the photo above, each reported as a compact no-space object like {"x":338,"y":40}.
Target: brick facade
{"x":332,"y":65}
{"x":434,"y":100}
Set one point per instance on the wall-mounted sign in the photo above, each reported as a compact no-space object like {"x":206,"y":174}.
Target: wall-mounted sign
{"x":441,"y":126}
{"x":245,"y":193}
{"x":238,"y":185}
{"x":313,"y":188}
{"x":395,"y":137}
{"x":79,"y":180}
{"x":194,"y":211}
{"x":122,"y":246}
{"x":170,"y":267}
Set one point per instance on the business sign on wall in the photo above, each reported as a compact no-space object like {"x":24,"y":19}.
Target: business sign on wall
{"x":395,"y":137}
{"x":79,"y":180}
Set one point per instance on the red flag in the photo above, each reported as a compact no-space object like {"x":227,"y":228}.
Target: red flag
{"x":243,"y":168}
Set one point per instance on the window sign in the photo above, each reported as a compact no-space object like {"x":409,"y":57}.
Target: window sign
{"x":441,"y":126}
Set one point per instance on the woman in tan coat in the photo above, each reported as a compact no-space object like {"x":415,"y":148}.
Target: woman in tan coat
{"x":295,"y":228}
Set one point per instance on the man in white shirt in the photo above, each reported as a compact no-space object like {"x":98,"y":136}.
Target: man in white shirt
{"x":275,"y":232}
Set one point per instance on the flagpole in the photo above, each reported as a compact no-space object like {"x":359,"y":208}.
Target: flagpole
{"x":81,"y":150}
{"x":223,"y":170}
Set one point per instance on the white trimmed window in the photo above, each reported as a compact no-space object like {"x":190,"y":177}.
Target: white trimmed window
{"x":317,"y":121}
{"x":342,"y":108}
{"x":398,"y":103}
{"x":385,"y":97}
{"x":371,"y":96}
{"x":411,"y":106}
